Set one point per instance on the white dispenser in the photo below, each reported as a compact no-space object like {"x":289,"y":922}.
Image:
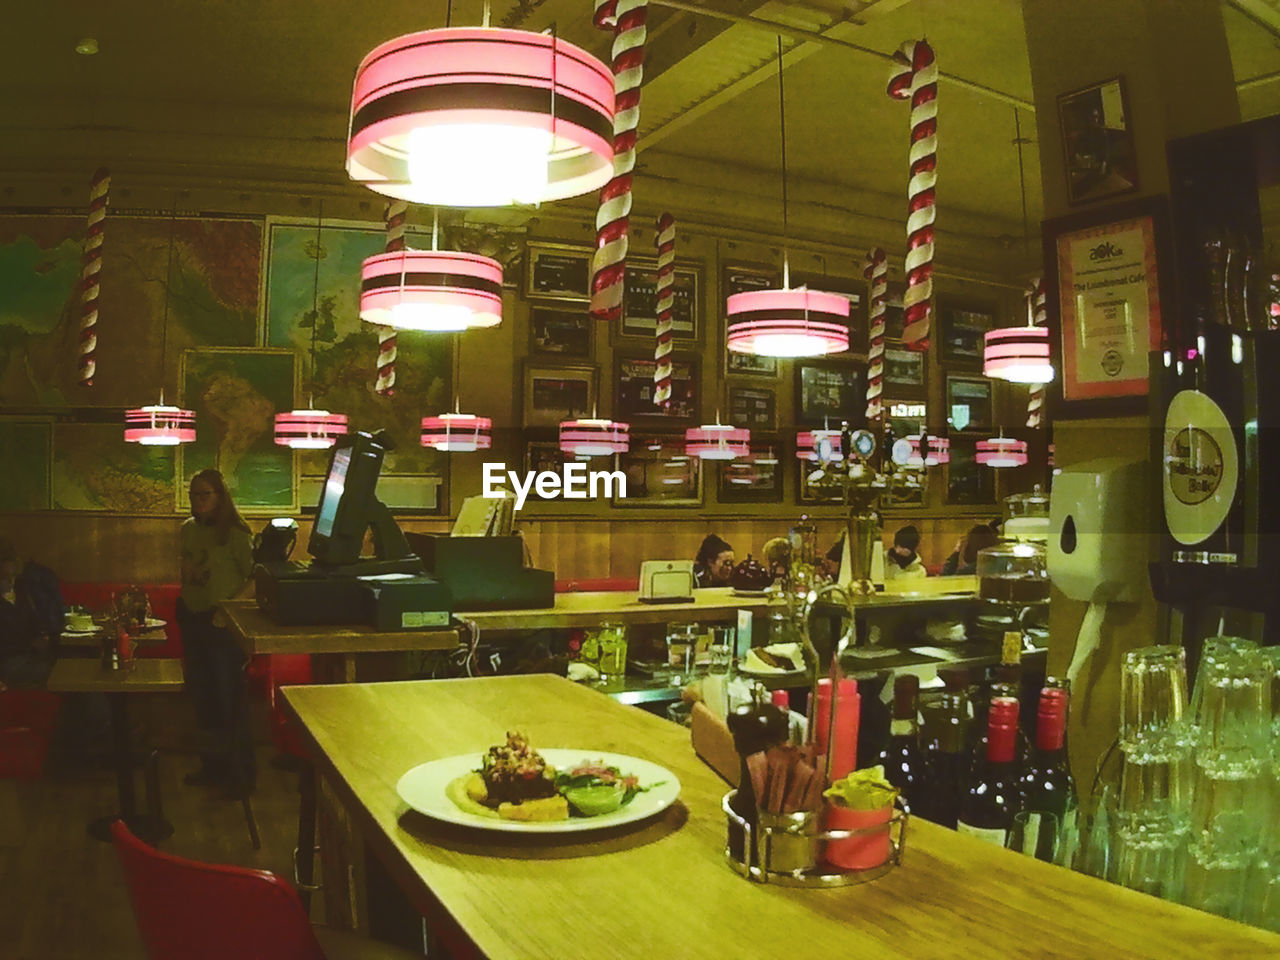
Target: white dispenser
{"x":1099,"y":517}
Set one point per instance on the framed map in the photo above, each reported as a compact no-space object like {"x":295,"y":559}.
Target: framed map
{"x":24,"y":464}
{"x":236,"y":394}
{"x":94,"y":469}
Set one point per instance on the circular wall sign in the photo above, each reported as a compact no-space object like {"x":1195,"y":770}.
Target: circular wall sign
{"x":1200,"y":468}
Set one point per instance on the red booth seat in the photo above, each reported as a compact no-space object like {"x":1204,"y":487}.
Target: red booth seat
{"x":164,"y":599}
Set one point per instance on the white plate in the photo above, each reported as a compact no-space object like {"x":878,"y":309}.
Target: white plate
{"x":422,"y":788}
{"x":82,"y":633}
{"x":153,"y":624}
{"x":750,"y":593}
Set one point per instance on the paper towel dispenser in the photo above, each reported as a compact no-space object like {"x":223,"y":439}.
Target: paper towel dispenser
{"x":1099,"y":520}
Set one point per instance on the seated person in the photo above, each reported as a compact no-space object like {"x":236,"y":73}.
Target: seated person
{"x":901,"y":562}
{"x":713,"y":565}
{"x":964,"y":559}
{"x":31,"y":619}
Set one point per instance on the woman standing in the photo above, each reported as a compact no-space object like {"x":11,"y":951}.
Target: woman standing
{"x":217,"y":556}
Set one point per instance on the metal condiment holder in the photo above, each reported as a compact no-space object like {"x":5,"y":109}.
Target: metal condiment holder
{"x":791,"y":854}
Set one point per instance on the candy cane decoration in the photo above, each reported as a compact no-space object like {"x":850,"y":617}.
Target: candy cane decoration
{"x":1039,"y":311}
{"x":916,"y":78}
{"x":386,"y":383}
{"x":609,"y":264}
{"x":877,"y":271}
{"x":92,"y":267}
{"x":665,"y":241}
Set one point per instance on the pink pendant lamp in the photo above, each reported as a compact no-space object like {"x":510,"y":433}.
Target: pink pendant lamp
{"x":1017,"y":354}
{"x":594,"y":438}
{"x":937,"y":451}
{"x":161,"y":425}
{"x":819,"y":446}
{"x":439,"y":291}
{"x":717,"y":441}
{"x":1001,"y":452}
{"x":457,"y":432}
{"x":477,"y":117}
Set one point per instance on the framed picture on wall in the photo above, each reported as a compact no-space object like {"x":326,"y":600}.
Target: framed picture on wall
{"x":633,"y":389}
{"x":561,"y":333}
{"x":830,"y":391}
{"x":968,"y":482}
{"x":905,"y":373}
{"x":659,"y":474}
{"x":543,"y":455}
{"x":553,"y":393}
{"x":749,"y":365}
{"x":1097,"y":142}
{"x":640,"y":301}
{"x":853,"y":290}
{"x":809,"y":492}
{"x":557,"y":271}
{"x":969,"y":403}
{"x":960,"y":332}
{"x":756,"y":478}
{"x":755,"y":408}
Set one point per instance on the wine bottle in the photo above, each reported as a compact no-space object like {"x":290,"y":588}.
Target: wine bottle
{"x":1047,"y":786}
{"x":995,"y":790}
{"x":1006,"y":683}
{"x":946,"y":760}
{"x":902,"y":761}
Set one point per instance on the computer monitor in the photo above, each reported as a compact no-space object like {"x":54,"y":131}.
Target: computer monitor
{"x":348,"y":504}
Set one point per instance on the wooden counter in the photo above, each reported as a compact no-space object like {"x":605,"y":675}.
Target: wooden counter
{"x":591,"y":608}
{"x":661,"y":888}
{"x":258,"y":633}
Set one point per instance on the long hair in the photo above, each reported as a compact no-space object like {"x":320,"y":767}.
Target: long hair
{"x":712,"y":546}
{"x":226,"y":516}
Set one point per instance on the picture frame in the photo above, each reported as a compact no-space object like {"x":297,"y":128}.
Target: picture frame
{"x":555,"y":392}
{"x":756,"y":478}
{"x":561,"y":333}
{"x":743,"y":278}
{"x":543,"y":454}
{"x":557,"y":271}
{"x":961,"y":327}
{"x":853,"y":290}
{"x":829,"y":391}
{"x":755,"y":408}
{"x":659,"y":474}
{"x":640,"y":300}
{"x":969,"y":483}
{"x":906,"y":373}
{"x":1105,"y":295}
{"x":807,"y":493}
{"x":969,"y":405}
{"x":895,"y":319}
{"x":1097,"y":142}
{"x":633,"y":389}
{"x":749,"y":365}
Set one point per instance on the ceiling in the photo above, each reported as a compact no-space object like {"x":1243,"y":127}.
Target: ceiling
{"x":253,"y":94}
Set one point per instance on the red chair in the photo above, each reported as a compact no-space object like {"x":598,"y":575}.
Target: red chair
{"x":188,"y":910}
{"x":27,"y":720}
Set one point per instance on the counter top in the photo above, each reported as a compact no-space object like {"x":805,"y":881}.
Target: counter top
{"x":660,"y":888}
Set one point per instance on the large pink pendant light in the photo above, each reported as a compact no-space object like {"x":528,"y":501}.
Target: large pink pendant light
{"x":786,"y":322}
{"x":594,"y":437}
{"x":1017,"y":354}
{"x":438,"y":291}
{"x":1001,"y":452}
{"x":161,"y":425}
{"x":457,"y":432}
{"x":311,"y":429}
{"x":717,"y":441}
{"x":477,"y":117}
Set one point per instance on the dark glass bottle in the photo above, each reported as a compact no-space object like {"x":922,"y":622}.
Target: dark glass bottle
{"x":946,"y":760}
{"x":995,"y":789}
{"x":1007,"y":682}
{"x":755,"y":728}
{"x":1047,"y":785}
{"x":902,"y":759}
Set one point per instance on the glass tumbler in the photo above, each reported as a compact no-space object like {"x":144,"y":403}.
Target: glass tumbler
{"x":682,"y":642}
{"x":1153,"y":697}
{"x":612,"y":641}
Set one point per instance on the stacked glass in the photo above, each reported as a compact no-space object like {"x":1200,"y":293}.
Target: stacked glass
{"x":1153,"y":807}
{"x":1262,"y":904}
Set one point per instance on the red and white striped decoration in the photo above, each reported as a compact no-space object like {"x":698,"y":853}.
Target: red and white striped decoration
{"x":937,"y":451}
{"x":386,"y":382}
{"x":1001,"y":452}
{"x":99,"y":188}
{"x":665,"y":241}
{"x":309,"y":429}
{"x":877,"y":271}
{"x":819,"y":446}
{"x":159,"y":426}
{"x":717,"y":441}
{"x":457,"y":432}
{"x":916,"y":78}
{"x":594,"y":438}
{"x":626,"y":18}
{"x":1039,"y":311}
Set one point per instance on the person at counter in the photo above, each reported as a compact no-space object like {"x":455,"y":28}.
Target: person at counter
{"x":217,"y":557}
{"x":713,"y":565}
{"x":964,"y":559}
{"x":901,"y":562}
{"x":31,"y":619}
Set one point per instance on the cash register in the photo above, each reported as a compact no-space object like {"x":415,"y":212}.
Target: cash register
{"x":388,"y":591}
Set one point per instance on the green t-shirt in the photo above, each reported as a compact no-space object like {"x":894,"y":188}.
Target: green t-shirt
{"x":213,"y":571}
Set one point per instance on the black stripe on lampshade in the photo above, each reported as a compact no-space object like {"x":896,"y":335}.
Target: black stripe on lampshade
{"x":309,"y":429}
{"x":594,"y":438}
{"x":1017,"y":354}
{"x":457,"y":432}
{"x":159,"y":426}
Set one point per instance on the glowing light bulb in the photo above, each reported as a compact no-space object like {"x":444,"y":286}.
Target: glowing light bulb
{"x":432,"y":317}
{"x":789,"y":345}
{"x":478,"y":165}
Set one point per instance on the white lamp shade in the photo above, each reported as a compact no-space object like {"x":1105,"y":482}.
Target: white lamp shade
{"x":439,"y":291}
{"x":788,"y":323}
{"x":715,"y":441}
{"x":309,"y":429}
{"x":594,"y":438}
{"x":159,"y":426}
{"x":457,"y":432}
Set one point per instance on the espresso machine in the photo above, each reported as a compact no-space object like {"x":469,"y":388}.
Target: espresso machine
{"x":1215,"y":395}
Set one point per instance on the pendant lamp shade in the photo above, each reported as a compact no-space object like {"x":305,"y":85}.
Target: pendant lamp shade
{"x":439,"y":291}
{"x":788,"y":323}
{"x":594,"y":438}
{"x":159,"y":426}
{"x":1017,"y":354}
{"x":309,"y":429}
{"x":457,"y":432}
{"x":819,"y":446}
{"x":716,"y":441}
{"x":937,"y":451}
{"x":1001,"y":452}
{"x":479,"y":117}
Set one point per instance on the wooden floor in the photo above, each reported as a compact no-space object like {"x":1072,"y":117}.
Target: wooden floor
{"x":62,"y":895}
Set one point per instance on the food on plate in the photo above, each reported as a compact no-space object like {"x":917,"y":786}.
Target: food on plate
{"x":775,"y":658}
{"x":514,"y":772}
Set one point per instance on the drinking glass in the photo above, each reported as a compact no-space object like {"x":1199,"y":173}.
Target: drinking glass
{"x":1151,"y":860}
{"x":1153,"y":697}
{"x":1218,"y":874}
{"x":1214,"y":648}
{"x":1233,"y":719}
{"x":682,"y":641}
{"x":612,"y":640}
{"x":1035,"y":834}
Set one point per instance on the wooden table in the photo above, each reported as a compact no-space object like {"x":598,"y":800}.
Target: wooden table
{"x":87,"y":675}
{"x":661,"y":888}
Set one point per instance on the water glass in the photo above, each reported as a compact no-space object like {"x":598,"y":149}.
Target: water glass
{"x":682,"y":644}
{"x":1216,"y":881}
{"x":1036,"y":834}
{"x":612,"y":641}
{"x":1151,"y":860}
{"x":1214,"y":649}
{"x":1155,"y":787}
{"x":1153,"y":698}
